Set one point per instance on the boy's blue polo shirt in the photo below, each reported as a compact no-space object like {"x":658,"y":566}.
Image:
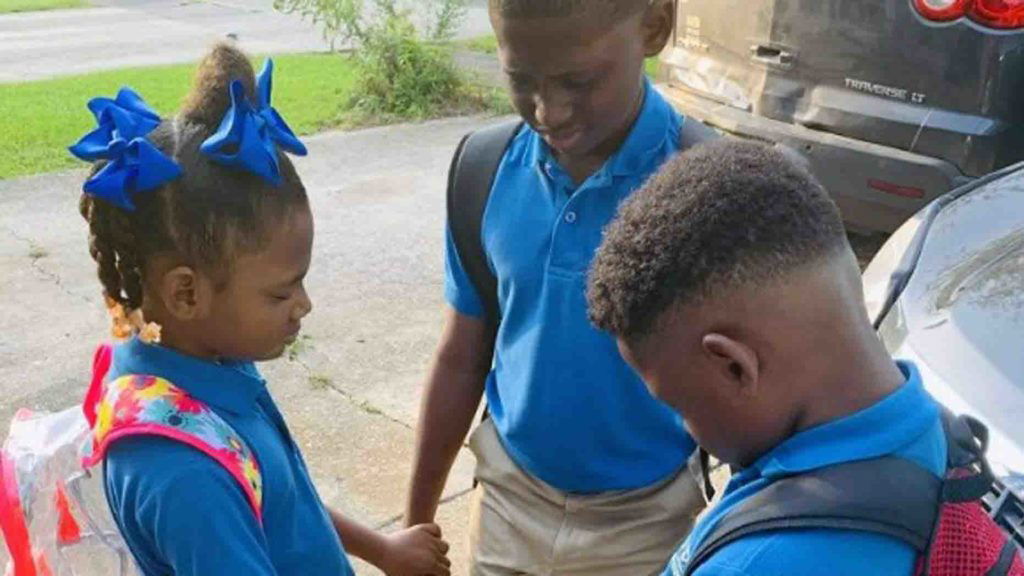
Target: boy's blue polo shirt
{"x":568,"y":409}
{"x":905,"y":424}
{"x":181,"y":513}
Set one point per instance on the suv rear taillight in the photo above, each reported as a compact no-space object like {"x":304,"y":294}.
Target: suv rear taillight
{"x":943,"y":10}
{"x":999,"y":13}
{"x":1002,"y":14}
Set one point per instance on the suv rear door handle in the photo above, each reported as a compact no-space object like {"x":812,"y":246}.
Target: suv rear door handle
{"x":772,"y":56}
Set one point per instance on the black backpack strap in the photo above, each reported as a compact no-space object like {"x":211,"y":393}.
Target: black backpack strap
{"x":470,"y":179}
{"x":889,"y":496}
{"x":704,"y":458}
{"x":966,"y":443}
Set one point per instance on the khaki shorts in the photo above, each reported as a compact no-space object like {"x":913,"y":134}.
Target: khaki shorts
{"x":520,"y":525}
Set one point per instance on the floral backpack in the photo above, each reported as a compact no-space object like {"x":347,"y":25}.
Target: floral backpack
{"x":53,"y":513}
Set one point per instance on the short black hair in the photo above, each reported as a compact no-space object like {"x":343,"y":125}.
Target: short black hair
{"x":209,"y":215}
{"x":566,"y":8}
{"x":723,"y":215}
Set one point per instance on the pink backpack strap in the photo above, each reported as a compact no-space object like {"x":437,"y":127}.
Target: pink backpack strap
{"x":100,"y":366}
{"x":137,"y":405}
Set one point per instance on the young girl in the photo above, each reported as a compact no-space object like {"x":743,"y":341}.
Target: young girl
{"x":202,"y":233}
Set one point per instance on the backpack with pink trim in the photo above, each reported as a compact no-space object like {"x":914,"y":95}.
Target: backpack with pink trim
{"x":950,"y":522}
{"x":54,"y":516}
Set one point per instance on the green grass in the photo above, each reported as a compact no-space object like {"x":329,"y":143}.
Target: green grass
{"x":7,"y":6}
{"x":486,"y":44}
{"x":39,"y":120}
{"x":652,"y":66}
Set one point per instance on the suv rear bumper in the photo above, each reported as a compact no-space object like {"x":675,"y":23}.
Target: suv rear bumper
{"x":845,"y":166}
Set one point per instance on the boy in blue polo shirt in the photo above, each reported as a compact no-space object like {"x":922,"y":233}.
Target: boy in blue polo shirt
{"x":579,"y":470}
{"x":731,"y":287}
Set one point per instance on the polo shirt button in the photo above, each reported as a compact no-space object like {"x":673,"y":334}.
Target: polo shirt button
{"x":570,"y":217}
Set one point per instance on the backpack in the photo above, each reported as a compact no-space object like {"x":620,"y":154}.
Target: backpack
{"x":945,"y":520}
{"x":54,"y":516}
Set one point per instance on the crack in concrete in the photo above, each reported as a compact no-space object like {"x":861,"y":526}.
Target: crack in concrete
{"x":390,"y":522}
{"x":368,"y":408}
{"x":362,"y":405}
{"x":239,"y":7}
{"x":37,"y":253}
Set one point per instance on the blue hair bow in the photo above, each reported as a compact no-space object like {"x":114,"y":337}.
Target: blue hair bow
{"x":249,"y":136}
{"x":134,"y":164}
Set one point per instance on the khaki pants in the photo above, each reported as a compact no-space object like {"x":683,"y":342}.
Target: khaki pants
{"x":522,"y":526}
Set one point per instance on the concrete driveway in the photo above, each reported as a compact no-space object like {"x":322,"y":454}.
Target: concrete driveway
{"x":352,"y":391}
{"x":122,"y":33}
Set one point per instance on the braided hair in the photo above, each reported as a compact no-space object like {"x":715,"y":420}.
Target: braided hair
{"x":207,"y":216}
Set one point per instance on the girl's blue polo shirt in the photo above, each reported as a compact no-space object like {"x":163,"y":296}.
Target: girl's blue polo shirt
{"x":567,"y":407}
{"x":181,"y":513}
{"x":905,"y":424}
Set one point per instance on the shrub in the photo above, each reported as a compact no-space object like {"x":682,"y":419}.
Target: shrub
{"x":404,"y":70}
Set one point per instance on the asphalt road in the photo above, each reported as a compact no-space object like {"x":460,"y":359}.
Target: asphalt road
{"x":121,"y":33}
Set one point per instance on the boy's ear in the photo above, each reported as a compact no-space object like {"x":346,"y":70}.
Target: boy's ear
{"x":659,"y":21}
{"x":186,"y":293}
{"x":735,"y":361}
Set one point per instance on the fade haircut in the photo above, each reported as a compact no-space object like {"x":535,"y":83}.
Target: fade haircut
{"x":721,"y":216}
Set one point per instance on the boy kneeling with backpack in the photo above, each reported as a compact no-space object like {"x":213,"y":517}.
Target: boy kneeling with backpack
{"x":731,"y":288}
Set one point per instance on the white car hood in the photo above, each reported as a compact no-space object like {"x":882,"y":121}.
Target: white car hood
{"x":961,"y":316}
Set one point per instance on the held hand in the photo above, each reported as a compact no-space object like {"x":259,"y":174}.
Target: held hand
{"x":416,"y":551}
